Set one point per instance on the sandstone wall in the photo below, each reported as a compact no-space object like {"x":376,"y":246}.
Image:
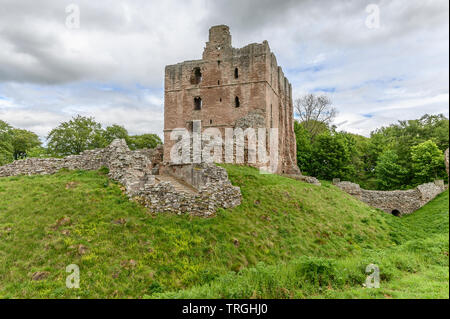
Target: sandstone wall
{"x":395,"y":202}
{"x":250,"y":74}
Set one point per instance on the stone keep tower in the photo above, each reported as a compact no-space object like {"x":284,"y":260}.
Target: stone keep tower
{"x":231,"y":88}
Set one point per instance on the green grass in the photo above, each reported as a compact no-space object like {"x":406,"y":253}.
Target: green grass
{"x":288,"y":239}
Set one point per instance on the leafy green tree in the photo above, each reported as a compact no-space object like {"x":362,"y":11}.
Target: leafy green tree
{"x":22,"y":142}
{"x":390,"y":174}
{"x":113,"y":132}
{"x":144,"y":141}
{"x":361,"y":157}
{"x":401,"y":137}
{"x":38,"y":151}
{"x":331,"y":157}
{"x":304,"y":147}
{"x":4,"y":128}
{"x":75,"y":136}
{"x":6,"y":149}
{"x":436,"y":128}
{"x":427,"y":162}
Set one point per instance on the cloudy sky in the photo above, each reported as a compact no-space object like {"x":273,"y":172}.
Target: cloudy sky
{"x":112,"y":66}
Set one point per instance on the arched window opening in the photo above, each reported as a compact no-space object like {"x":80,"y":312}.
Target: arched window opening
{"x":237,"y":103}
{"x":196,"y":76}
{"x":197,"y":103}
{"x":396,"y":213}
{"x":236,"y":73}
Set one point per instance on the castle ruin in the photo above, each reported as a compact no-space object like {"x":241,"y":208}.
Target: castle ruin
{"x":231,"y":88}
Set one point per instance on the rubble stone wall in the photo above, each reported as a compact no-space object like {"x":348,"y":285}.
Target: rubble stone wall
{"x":197,"y":190}
{"x":215,"y":191}
{"x":397,"y":202}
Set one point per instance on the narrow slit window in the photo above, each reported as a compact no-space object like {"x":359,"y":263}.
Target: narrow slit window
{"x":197,"y":103}
{"x":237,"y":103}
{"x":236,"y":73}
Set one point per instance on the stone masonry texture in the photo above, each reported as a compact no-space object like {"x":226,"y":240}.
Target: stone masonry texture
{"x":231,"y":88}
{"x":399,"y":202}
{"x":197,"y":190}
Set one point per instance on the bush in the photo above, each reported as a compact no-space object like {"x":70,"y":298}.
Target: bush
{"x":317,"y":271}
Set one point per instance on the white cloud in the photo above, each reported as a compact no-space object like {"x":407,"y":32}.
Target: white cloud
{"x":113,"y":66}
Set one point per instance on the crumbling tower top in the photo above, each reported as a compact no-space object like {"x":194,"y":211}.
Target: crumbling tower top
{"x":219,"y":42}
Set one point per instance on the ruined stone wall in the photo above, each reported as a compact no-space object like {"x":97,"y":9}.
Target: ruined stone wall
{"x":88,"y":160}
{"x":395,"y":202}
{"x":250,"y":74}
{"x":212,"y":190}
{"x":139,"y":173}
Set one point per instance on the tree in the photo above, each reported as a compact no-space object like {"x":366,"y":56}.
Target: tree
{"x":4,"y":128}
{"x":331,"y":157}
{"x":38,"y":151}
{"x":315,"y":113}
{"x":75,"y":136}
{"x":113,"y":132}
{"x":144,"y":141}
{"x":436,"y":128}
{"x":404,"y":135}
{"x":390,"y":174}
{"x":304,"y":147}
{"x":427,"y":162}
{"x":22,"y":142}
{"x":6,"y":149}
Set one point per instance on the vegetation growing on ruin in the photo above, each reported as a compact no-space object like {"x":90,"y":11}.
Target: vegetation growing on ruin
{"x":288,"y":239}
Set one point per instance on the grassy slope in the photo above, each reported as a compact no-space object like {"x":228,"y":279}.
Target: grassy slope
{"x":280,"y":221}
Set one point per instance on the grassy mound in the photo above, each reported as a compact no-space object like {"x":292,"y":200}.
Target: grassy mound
{"x":300,"y":240}
{"x":416,"y":266}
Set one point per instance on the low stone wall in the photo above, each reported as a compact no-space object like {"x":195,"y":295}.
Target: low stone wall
{"x":395,"y":202}
{"x":303,"y":178}
{"x":89,"y":160}
{"x":197,"y":190}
